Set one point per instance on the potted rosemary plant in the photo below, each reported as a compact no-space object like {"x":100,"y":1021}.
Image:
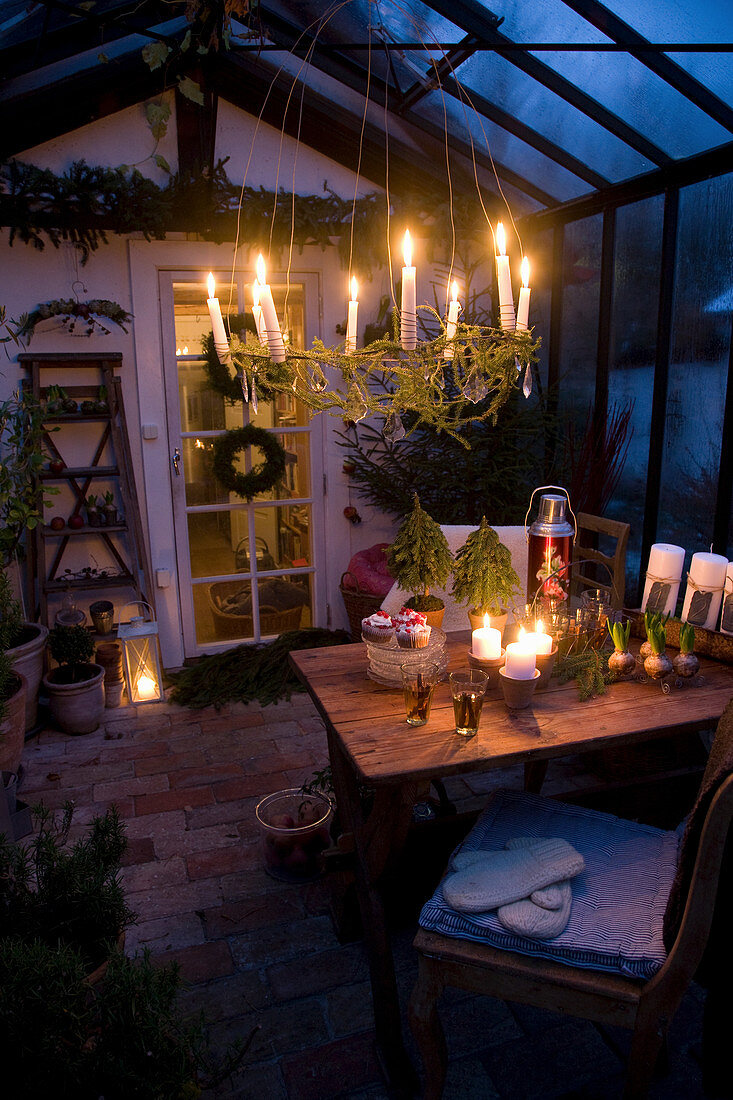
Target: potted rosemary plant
{"x":75,"y":689}
{"x":419,"y":559}
{"x":484,"y":578}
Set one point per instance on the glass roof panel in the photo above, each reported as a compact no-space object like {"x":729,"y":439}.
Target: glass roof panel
{"x":711,"y":69}
{"x":642,"y":99}
{"x":543,"y":21}
{"x":678,"y":20}
{"x":530,"y":102}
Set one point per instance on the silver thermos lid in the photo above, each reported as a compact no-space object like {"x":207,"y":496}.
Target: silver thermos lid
{"x":551,"y":520}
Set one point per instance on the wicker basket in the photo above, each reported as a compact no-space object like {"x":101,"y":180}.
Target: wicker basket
{"x":229,"y":625}
{"x":359,"y":605}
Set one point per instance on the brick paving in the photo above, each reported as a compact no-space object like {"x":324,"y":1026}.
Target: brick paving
{"x":261,"y":953}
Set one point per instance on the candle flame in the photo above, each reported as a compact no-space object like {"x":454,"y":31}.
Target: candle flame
{"x":525,"y":272}
{"x":211,"y":285}
{"x":255,"y":293}
{"x":501,"y":239}
{"x":487,"y":620}
{"x":522,"y":632}
{"x":454,"y":291}
{"x":407,"y":249}
{"x":354,"y":288}
{"x":260,"y":269}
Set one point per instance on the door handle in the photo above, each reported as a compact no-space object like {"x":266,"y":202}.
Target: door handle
{"x":177,"y":461}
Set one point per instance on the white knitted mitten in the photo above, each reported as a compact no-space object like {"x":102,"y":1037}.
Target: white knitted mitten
{"x":545,"y":913}
{"x":499,"y":878}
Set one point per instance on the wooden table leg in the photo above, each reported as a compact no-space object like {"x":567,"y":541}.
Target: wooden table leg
{"x":376,"y":835}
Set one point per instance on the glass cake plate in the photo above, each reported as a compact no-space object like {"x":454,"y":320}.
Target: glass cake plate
{"x":384,"y":661}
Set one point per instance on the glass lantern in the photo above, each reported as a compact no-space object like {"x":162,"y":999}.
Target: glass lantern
{"x":141,"y":658}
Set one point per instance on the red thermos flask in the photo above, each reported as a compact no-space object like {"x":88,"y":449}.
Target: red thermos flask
{"x":550,"y":550}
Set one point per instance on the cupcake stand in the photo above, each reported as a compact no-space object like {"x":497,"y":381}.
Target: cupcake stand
{"x":384,"y":661}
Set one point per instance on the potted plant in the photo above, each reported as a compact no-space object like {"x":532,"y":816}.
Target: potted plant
{"x":484,"y":578}
{"x":657,"y":665}
{"x":110,"y":511}
{"x":75,"y":689}
{"x":418,"y":559}
{"x":93,"y":517}
{"x":101,"y":405}
{"x":13,"y":689}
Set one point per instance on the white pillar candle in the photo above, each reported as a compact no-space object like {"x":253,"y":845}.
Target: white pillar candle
{"x":221,"y":343}
{"x":408,"y":316}
{"x":507,"y":319}
{"x":663,"y":576}
{"x":704,"y":594}
{"x":353,"y":315}
{"x":257,"y":313}
{"x":450,"y":328}
{"x":540,"y":642}
{"x":269,"y":316}
{"x":523,"y":304}
{"x":486,"y":641}
{"x":520,"y":661}
{"x":726,"y":616}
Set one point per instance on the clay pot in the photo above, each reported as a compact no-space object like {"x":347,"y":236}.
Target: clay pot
{"x":497,"y":621}
{"x":12,"y":727}
{"x":434,"y":619}
{"x":27,"y":659}
{"x":76,"y":707}
{"x":621,"y":662}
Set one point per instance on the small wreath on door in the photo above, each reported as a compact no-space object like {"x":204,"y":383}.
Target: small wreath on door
{"x":262,"y":477}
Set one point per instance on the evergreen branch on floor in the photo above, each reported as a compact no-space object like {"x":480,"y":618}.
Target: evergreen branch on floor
{"x":250,"y":672}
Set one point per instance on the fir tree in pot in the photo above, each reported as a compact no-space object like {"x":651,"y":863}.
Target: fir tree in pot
{"x":484,"y":578}
{"x":419,"y":559}
{"x":75,"y":689}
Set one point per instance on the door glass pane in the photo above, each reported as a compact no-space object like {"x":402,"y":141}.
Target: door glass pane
{"x":223,"y":609}
{"x":285,"y":603}
{"x":217,"y":543}
{"x":285,"y":411}
{"x":202,"y":409}
{"x":283,"y":534}
{"x":192,"y":314}
{"x":296,"y":481}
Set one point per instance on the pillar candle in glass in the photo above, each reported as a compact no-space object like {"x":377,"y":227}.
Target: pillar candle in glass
{"x":269,"y":316}
{"x":486,"y":642}
{"x":352,"y":321}
{"x":726,"y":616}
{"x":507,"y":318}
{"x":524,"y":294}
{"x":704,"y":595}
{"x":450,"y":329}
{"x":663,"y":576}
{"x":408,"y":315}
{"x":221,"y":343}
{"x":520,"y":661}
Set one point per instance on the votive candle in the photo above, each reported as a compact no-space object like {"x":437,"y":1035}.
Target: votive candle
{"x":540,"y":642}
{"x":486,"y":641}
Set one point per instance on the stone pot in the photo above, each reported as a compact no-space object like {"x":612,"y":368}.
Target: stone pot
{"x":76,"y":707}
{"x":497,"y":621}
{"x":12,"y":727}
{"x":27,"y":659}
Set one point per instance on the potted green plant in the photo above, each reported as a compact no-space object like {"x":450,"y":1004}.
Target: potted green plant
{"x":484,"y":578}
{"x":419,"y":559}
{"x":75,"y":689}
{"x":110,"y":511}
{"x":101,"y":405}
{"x":93,"y":517}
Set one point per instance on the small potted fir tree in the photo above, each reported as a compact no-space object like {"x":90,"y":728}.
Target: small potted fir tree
{"x":484,"y":578}
{"x":75,"y":689}
{"x":419,"y":559}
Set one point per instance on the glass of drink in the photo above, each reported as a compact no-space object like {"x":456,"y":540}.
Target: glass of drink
{"x":418,"y":683}
{"x":468,"y":686}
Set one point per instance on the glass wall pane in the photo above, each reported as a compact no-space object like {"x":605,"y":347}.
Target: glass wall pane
{"x":283,"y":536}
{"x":631,"y":361}
{"x":579,"y":337}
{"x":699,"y":367}
{"x":202,"y":409}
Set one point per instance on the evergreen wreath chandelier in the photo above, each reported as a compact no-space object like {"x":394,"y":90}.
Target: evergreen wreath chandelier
{"x":459,"y":373}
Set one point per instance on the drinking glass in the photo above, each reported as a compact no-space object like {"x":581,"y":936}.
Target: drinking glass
{"x":467,"y":688}
{"x":418,"y":683}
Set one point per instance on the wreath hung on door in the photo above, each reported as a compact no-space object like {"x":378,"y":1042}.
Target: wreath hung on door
{"x":262,"y":477}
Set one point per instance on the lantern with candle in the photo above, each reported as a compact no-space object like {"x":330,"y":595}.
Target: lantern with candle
{"x":483,"y":576}
{"x":141,"y":656}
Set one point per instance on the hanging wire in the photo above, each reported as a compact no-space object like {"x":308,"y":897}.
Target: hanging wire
{"x":361,"y":141}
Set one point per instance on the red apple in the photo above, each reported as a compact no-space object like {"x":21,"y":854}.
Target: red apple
{"x":57,"y":523}
{"x":56,"y":466}
{"x":76,"y":521}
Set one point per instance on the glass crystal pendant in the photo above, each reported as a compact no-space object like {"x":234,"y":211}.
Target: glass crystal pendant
{"x":393,"y":430}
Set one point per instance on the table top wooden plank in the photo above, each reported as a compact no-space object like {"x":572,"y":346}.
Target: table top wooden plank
{"x":369,"y":719}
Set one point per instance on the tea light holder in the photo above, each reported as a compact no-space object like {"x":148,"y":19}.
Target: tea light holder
{"x":518,"y":693}
{"x":489,"y":666}
{"x":545,"y":664}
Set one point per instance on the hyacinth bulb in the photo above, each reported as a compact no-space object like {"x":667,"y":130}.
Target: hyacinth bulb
{"x":393,"y":430}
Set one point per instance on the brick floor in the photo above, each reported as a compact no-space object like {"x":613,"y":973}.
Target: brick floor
{"x":261,"y":953}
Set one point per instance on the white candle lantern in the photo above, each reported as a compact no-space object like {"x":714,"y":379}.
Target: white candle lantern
{"x":450,"y":329}
{"x":507,"y":318}
{"x":726,"y":616}
{"x":704,"y":595}
{"x":663,"y":576}
{"x":141,"y":658}
{"x":521,"y":660}
{"x":486,"y":642}
{"x":269,"y":316}
{"x":408,"y":316}
{"x":523,"y":304}
{"x":221,"y":342}
{"x":351,"y":330}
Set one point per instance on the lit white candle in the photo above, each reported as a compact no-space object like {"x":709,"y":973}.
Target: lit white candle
{"x":269,"y":316}
{"x":540,"y":642}
{"x":486,"y":641}
{"x":353,"y":315}
{"x":704,"y":594}
{"x":523,"y":304}
{"x":663,"y":576}
{"x":520,"y":660}
{"x":504,"y":279}
{"x":726,"y":615}
{"x":257,"y":313}
{"x":408,"y":316}
{"x":221,"y":343}
{"x":146,"y":688}
{"x":450,"y":329}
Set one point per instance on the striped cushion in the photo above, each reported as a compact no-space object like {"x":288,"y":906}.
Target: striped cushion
{"x":618,"y":901}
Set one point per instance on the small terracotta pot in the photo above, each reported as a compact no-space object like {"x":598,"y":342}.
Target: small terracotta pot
{"x":497,"y":621}
{"x":518,"y":693}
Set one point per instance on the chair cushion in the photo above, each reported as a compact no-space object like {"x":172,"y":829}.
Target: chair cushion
{"x":618,"y":901}
{"x":368,"y":571}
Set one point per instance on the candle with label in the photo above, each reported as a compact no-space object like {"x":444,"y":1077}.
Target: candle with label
{"x":726,"y":616}
{"x":507,"y":318}
{"x":663,"y":576}
{"x":520,"y":660}
{"x":353,"y":315}
{"x":269,"y":316}
{"x":221,"y":343}
{"x":704,"y":594}
{"x":523,"y":304}
{"x":450,"y":329}
{"x":408,"y":316}
{"x":486,"y":642}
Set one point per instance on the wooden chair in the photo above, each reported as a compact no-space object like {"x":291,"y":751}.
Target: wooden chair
{"x":646,"y":1006}
{"x":612,"y":578}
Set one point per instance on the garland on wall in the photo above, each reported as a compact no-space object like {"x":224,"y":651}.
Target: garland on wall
{"x":75,"y":315}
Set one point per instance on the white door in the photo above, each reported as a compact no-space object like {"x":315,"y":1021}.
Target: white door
{"x":246,"y":571}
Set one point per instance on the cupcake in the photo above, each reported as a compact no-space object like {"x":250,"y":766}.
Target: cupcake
{"x":407,"y":617}
{"x":413,"y":636}
{"x":378,"y":628}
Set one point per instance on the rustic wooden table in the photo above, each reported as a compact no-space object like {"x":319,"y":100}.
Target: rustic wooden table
{"x":371,"y":744}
